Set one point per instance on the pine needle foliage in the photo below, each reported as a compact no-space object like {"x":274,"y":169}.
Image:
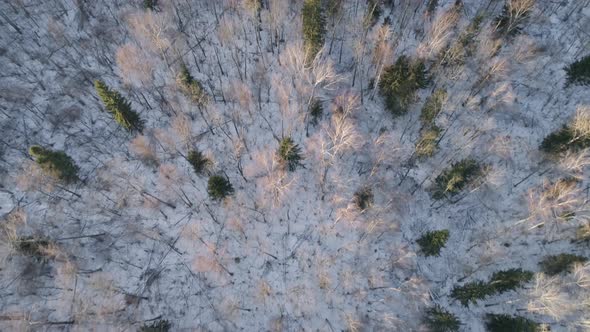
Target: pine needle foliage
{"x":471,"y":292}
{"x":432,"y":242}
{"x":315,"y":111}
{"x":438,"y":319}
{"x":56,"y":164}
{"x":500,"y":282}
{"x":427,"y":142}
{"x":556,"y":264}
{"x":578,"y":72}
{"x":314,"y":27}
{"x":400,"y":82}
{"x":289,"y":154}
{"x":510,"y":279}
{"x":191,"y":87}
{"x":455,"y":178}
{"x":219,"y":187}
{"x":363,"y":198}
{"x":506,"y":323}
{"x":157,"y":326}
{"x":432,"y":107}
{"x":119,"y":107}
{"x":373,"y":13}
{"x":198,"y":161}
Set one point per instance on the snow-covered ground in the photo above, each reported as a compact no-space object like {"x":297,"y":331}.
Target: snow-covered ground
{"x":138,"y":239}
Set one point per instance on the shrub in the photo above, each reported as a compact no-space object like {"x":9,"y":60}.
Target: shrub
{"x":315,"y":110}
{"x":511,"y":279}
{"x":55,"y":163}
{"x":506,"y":323}
{"x":314,"y":27}
{"x":363,"y":198}
{"x":219,"y":187}
{"x":157,"y":326}
{"x":289,"y":153}
{"x":471,"y":292}
{"x":578,"y":72}
{"x":556,"y":264}
{"x":432,"y":107}
{"x":454,"y":179}
{"x":191,"y":87}
{"x":198,"y":160}
{"x":427,"y":142}
{"x":432,"y":242}
{"x":438,"y":319}
{"x":119,"y":107}
{"x":400,"y":82}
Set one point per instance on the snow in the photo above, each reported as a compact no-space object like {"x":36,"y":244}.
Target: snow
{"x":301,"y":260}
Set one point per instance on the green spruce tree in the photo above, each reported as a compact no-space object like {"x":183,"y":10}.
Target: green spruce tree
{"x":289,"y":154}
{"x":438,"y":319}
{"x":578,"y":72}
{"x":471,"y":292}
{"x":314,"y":27}
{"x":219,"y":187}
{"x":399,"y":83}
{"x":506,"y":323}
{"x":55,"y":163}
{"x":510,"y":279}
{"x":191,"y":87}
{"x":198,"y":161}
{"x":160,"y":325}
{"x":432,"y":242}
{"x":455,"y":178}
{"x":119,"y":107}
{"x":556,"y":264}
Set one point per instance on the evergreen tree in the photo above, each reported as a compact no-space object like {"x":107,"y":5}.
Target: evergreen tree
{"x":427,"y":143}
{"x":316,"y":110}
{"x":556,"y":264}
{"x":191,"y":87}
{"x":314,"y":27}
{"x":55,"y":163}
{"x":400,"y":82}
{"x":438,"y":319}
{"x":558,"y":141}
{"x":452,"y":180}
{"x":432,"y":107}
{"x":156,"y":326}
{"x":373,"y":13}
{"x":119,"y":107}
{"x":219,"y":187}
{"x":471,"y":292}
{"x":510,"y":21}
{"x":579,"y":72}
{"x":506,"y":323}
{"x":511,"y":279}
{"x":432,"y":242}
{"x":289,"y":153}
{"x":198,"y":160}
{"x":363,"y":198}
{"x":150,"y":4}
